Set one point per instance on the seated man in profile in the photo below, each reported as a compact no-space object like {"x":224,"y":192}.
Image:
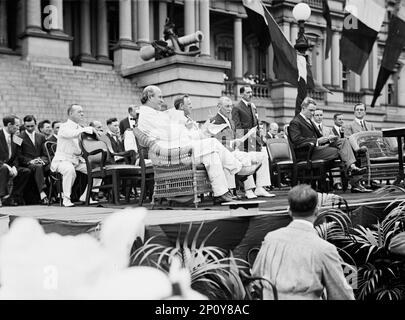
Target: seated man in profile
{"x":169,"y":134}
{"x":301,"y":264}
{"x":303,"y":130}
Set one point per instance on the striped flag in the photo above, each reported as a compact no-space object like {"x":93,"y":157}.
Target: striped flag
{"x":393,"y":48}
{"x":361,"y":26}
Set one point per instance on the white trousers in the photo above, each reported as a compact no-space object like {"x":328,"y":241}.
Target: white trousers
{"x":219,"y":163}
{"x":68,"y":171}
{"x":262,"y":174}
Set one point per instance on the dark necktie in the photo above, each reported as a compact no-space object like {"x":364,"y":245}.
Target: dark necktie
{"x":320,"y":129}
{"x":363,"y":124}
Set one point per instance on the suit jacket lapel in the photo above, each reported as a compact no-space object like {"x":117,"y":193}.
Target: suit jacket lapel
{"x":4,"y":143}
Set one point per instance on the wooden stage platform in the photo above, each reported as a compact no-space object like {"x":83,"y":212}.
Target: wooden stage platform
{"x":171,"y":215}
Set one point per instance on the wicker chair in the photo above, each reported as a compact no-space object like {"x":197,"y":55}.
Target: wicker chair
{"x":381,"y":157}
{"x":175,"y":171}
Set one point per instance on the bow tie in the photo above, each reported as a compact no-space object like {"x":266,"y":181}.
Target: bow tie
{"x":132,"y":119}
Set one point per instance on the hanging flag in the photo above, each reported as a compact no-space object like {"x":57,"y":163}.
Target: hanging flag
{"x":360,"y":29}
{"x":393,"y":48}
{"x":326,"y":15}
{"x":257,"y":21}
{"x":285,"y":64}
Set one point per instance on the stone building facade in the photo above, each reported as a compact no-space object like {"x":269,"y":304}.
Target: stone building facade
{"x":66,"y":41}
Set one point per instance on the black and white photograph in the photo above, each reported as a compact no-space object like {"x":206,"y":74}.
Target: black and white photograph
{"x":202,"y":156}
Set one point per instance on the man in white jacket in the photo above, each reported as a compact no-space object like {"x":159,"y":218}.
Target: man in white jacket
{"x":68,"y":157}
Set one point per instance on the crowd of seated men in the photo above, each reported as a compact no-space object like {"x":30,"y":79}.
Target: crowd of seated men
{"x":23,"y":156}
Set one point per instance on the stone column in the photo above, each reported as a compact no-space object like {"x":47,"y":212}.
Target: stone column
{"x":102,"y":41}
{"x":162,"y":18}
{"x":124,"y":51}
{"x":365,"y":78}
{"x":293,"y":32}
{"x":33,"y":15}
{"x":357,"y":82}
{"x":238,"y":49}
{"x":205,"y":27}
{"x":319,"y":53}
{"x":143,"y":22}
{"x":336,"y":72}
{"x":85,"y":32}
{"x":125,"y":18}
{"x":152,"y":21}
{"x":40,"y":46}
{"x":189,"y":16}
{"x":57,"y":26}
{"x":3,"y":25}
{"x":20,"y":22}
{"x":373,"y":66}
{"x":327,"y":64}
{"x":135,"y":20}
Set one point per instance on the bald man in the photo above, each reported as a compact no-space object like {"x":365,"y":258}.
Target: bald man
{"x":68,"y":159}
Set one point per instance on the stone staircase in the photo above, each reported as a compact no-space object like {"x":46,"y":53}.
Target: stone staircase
{"x":46,"y":91}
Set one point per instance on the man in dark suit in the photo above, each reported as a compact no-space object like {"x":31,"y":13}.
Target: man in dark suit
{"x":45,"y":128}
{"x":245,"y":117}
{"x":130,"y":121}
{"x":337,"y":129}
{"x":303,"y":130}
{"x":55,"y":130}
{"x":32,"y":155}
{"x":9,"y":167}
{"x":113,"y":133}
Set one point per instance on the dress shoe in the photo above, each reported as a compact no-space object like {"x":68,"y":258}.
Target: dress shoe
{"x":260,"y":192}
{"x":226,"y":197}
{"x":358,"y":188}
{"x":11,"y":202}
{"x":91,"y":201}
{"x":338,"y":186}
{"x":67,"y":203}
{"x":45,"y":201}
{"x":250,"y":194}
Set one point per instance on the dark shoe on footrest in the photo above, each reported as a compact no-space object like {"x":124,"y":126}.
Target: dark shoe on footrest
{"x":226,"y":197}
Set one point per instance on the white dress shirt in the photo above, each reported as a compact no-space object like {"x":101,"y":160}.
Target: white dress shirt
{"x":68,"y":142}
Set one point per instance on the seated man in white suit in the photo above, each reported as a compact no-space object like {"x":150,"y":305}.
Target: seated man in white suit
{"x":68,"y":159}
{"x":170,"y":133}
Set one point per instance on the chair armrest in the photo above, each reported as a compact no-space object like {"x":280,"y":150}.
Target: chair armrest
{"x":130,"y":156}
{"x":307,"y":146}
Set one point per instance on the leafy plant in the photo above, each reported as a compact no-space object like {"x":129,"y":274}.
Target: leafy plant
{"x":380,"y":274}
{"x":214,"y":273}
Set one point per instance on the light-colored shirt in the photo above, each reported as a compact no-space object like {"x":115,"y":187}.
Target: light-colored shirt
{"x":361,"y":123}
{"x":131,"y":122}
{"x":68,"y":142}
{"x":301,"y":265}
